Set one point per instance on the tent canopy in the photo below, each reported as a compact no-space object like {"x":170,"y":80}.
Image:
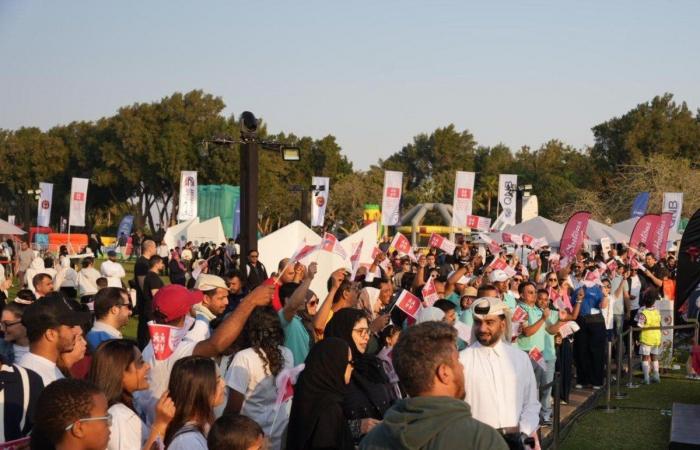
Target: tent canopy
{"x":8,"y":228}
{"x":208,"y":231}
{"x":537,"y":227}
{"x":178,"y":233}
{"x":596,"y":231}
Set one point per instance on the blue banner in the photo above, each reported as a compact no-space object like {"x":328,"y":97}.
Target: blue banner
{"x":639,"y":207}
{"x":125,"y":226}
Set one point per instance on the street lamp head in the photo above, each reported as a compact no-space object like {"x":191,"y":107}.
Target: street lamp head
{"x":249,"y":124}
{"x":291,"y":153}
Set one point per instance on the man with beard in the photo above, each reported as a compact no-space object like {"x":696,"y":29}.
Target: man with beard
{"x":500,"y":385}
{"x":434,"y":416}
{"x":52,"y":328}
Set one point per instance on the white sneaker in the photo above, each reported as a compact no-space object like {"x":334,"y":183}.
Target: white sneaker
{"x":597,"y":388}
{"x":579,"y":386}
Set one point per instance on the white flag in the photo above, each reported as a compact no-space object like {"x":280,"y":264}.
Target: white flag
{"x":507,"y":187}
{"x":78,"y":198}
{"x":187,"y":209}
{"x":321,"y":191}
{"x":673,"y":203}
{"x":391,"y":201}
{"x":463,"y":197}
{"x":43,"y":215}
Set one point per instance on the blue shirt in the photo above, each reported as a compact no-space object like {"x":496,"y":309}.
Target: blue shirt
{"x":296,"y":338}
{"x":592,"y":299}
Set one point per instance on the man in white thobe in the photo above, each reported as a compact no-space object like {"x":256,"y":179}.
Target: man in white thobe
{"x":112,"y":270}
{"x":500,"y":383}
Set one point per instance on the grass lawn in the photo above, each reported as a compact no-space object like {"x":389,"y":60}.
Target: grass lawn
{"x":643,"y":420}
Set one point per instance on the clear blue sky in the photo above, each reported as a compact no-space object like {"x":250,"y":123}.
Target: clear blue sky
{"x":374,"y":74}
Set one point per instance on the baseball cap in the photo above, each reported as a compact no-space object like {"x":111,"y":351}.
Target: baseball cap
{"x":53,"y":311}
{"x":174,"y":301}
{"x":470,"y":291}
{"x":206,"y":282}
{"x":489,"y":306}
{"x":430,"y":314}
{"x":498,"y":275}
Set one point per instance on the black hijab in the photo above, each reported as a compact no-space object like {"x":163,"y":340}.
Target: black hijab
{"x":316,"y":419}
{"x":341,"y":326}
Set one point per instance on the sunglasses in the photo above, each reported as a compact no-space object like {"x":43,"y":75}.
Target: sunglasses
{"x":108,"y":418}
{"x":312,"y":303}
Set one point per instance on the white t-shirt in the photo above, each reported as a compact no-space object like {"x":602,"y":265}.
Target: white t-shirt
{"x":128,"y":432}
{"x":247,"y":375}
{"x":159,"y":376}
{"x":635,"y":289}
{"x":114,"y":272}
{"x":19,"y":351}
{"x":191,"y":440}
{"x":47,"y":370}
{"x":87,"y":281}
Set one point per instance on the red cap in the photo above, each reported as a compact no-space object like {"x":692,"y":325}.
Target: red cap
{"x":174,"y":301}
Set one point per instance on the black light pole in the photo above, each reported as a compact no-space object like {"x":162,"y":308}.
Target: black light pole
{"x":249,"y":184}
{"x":250,"y":143}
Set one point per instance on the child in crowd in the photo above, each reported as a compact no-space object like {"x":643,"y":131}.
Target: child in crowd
{"x":236,"y":432}
{"x":650,"y":340}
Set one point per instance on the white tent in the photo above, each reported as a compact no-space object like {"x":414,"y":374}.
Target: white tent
{"x":537,"y":227}
{"x":208,"y":231}
{"x":177,"y":234}
{"x":626,"y":226}
{"x":368,"y":237}
{"x":596,"y":231}
{"x":8,"y":228}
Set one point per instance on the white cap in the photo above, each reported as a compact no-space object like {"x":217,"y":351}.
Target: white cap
{"x":206,"y":282}
{"x":430,"y":314}
{"x":498,"y":275}
{"x":489,"y":306}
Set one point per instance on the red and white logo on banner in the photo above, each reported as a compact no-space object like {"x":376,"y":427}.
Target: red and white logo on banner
{"x":408,"y":303}
{"x":355,"y":258}
{"x":442,"y":243}
{"x":464,"y":193}
{"x":493,"y":245}
{"x":164,"y":339}
{"x":303,"y":251}
{"x":430,"y":294}
{"x":527,"y":239}
{"x":393,"y":192}
{"x":532,"y":260}
{"x":403,"y":245}
{"x":573,"y":237}
{"x":538,"y":243}
{"x":479,"y":223}
{"x":79,"y":196}
{"x":612,"y":265}
{"x":592,"y":278}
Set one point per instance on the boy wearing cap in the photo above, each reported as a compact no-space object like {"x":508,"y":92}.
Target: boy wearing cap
{"x":500,"y":382}
{"x":52,"y":328}
{"x":500,"y":279}
{"x":214,"y":301}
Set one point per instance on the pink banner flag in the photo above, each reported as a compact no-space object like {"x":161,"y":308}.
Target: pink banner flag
{"x":642,"y":232}
{"x":519,"y":315}
{"x":408,"y":303}
{"x":498,"y":264}
{"x":538,"y":243}
{"x":591,"y":279}
{"x":493,"y":245}
{"x":478,"y":223}
{"x":285,"y":382}
{"x":612,"y":265}
{"x":537,"y":356}
{"x":330,"y":244}
{"x":442,"y":243}
{"x":657,"y":243}
{"x":303,"y":251}
{"x":165,"y":339}
{"x":532,"y":260}
{"x":430,"y":294}
{"x":573,"y":237}
{"x":511,"y":238}
{"x":403,"y":245}
{"x":527,"y":239}
{"x":355,"y":258}
{"x":17,"y":444}
{"x":376,"y":251}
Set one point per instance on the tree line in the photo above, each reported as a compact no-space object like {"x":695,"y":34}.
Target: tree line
{"x":133,"y":160}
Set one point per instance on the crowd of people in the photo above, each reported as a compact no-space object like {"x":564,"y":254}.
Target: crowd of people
{"x":227,"y":356}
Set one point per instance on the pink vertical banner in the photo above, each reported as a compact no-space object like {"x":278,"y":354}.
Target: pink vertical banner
{"x":659,"y":235}
{"x":643,"y":230}
{"x":573,"y":236}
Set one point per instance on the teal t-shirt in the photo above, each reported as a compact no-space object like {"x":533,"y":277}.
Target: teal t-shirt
{"x":296,"y":338}
{"x":455,"y":299}
{"x":538,"y":339}
{"x":467,"y":317}
{"x":509,"y":298}
{"x":550,"y":350}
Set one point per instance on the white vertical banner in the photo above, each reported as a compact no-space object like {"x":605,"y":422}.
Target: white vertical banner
{"x":463,"y":197}
{"x":673,"y":203}
{"x":665,"y":308}
{"x":11,"y":220}
{"x":507,"y":187}
{"x":78,"y":199}
{"x":43,"y":215}
{"x":391,"y":201}
{"x":187,"y":209}
{"x":321,"y":191}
